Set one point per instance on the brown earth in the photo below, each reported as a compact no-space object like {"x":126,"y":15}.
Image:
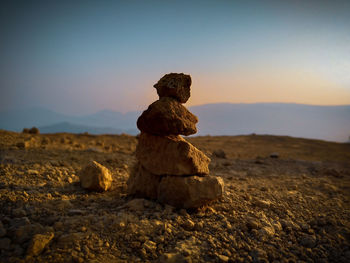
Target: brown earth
{"x":294,"y":208}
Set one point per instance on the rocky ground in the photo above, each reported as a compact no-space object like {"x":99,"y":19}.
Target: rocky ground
{"x":294,"y":208}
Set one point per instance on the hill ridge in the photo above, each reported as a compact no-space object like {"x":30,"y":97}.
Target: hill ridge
{"x":328,"y":122}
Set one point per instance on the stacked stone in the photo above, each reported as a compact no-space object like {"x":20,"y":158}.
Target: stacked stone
{"x":169,"y":168}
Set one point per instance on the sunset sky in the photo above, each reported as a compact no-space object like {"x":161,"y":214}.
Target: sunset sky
{"x":78,"y":57}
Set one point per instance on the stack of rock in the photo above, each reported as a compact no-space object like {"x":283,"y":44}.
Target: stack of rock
{"x":169,"y":168}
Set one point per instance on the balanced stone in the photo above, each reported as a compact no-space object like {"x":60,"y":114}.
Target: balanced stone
{"x":142,"y":183}
{"x":187,"y":192}
{"x":176,"y":85}
{"x":170,"y":155}
{"x":191,"y":191}
{"x":167,"y":116}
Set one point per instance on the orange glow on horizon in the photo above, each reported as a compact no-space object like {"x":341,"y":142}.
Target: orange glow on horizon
{"x":242,"y":86}
{"x":267,"y":86}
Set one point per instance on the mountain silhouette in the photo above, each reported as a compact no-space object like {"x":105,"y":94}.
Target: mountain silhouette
{"x":299,"y":120}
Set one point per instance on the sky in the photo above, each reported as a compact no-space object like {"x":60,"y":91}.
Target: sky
{"x":79,"y":57}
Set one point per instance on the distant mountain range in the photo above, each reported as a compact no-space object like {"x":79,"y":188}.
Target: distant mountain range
{"x":330,"y":123}
{"x":102,"y":122}
{"x":298,"y":120}
{"x":76,"y":128}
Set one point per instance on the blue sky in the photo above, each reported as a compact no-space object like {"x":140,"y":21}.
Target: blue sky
{"x":82,"y":56}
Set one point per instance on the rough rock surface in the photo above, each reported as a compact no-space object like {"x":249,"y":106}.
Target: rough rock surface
{"x":143,"y":183}
{"x":191,"y":191}
{"x":170,"y":155}
{"x":95,"y":177}
{"x":176,"y":85}
{"x":181,"y":192}
{"x":38,"y":243}
{"x":167,"y":116}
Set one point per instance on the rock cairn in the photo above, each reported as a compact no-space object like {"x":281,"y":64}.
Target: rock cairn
{"x":169,"y":168}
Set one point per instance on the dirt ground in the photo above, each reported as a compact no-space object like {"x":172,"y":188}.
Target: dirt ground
{"x":286,"y":200}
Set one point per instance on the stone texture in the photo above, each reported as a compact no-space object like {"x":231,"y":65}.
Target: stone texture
{"x":38,"y":243}
{"x":191,"y":191}
{"x":142,"y":183}
{"x":170,"y":155}
{"x":2,"y":230}
{"x":167,"y":116}
{"x":181,"y":192}
{"x":5,"y":243}
{"x":175,"y":85}
{"x":95,"y":177}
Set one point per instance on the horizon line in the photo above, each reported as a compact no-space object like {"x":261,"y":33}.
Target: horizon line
{"x":196,"y":105}
{"x":250,"y":103}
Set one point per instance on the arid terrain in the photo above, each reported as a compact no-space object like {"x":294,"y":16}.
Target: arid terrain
{"x":286,"y":200}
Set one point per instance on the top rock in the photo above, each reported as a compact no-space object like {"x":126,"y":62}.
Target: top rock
{"x":175,"y":85}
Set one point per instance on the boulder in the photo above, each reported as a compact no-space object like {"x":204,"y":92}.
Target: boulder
{"x":175,"y":85}
{"x":191,"y":191}
{"x":95,"y":177}
{"x":170,"y":155}
{"x":167,"y":116}
{"x":142,"y":183}
{"x":34,"y":130}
